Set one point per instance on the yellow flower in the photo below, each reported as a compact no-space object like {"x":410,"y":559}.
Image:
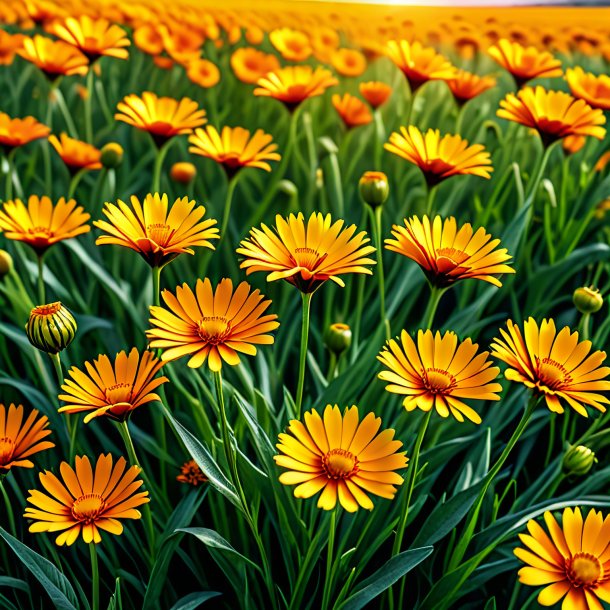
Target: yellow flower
{"x":352,"y":111}
{"x":375,"y":92}
{"x":53,"y":57}
{"x":17,"y":132}
{"x":595,"y":90}
{"x":291,"y":44}
{"x":348,"y":62}
{"x":467,"y":85}
{"x":250,"y":65}
{"x":203,"y":73}
{"x":76,"y":154}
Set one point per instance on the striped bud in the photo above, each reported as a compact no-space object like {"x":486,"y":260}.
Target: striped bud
{"x":51,"y":328}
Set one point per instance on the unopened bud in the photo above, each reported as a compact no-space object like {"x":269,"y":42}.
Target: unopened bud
{"x":51,"y":328}
{"x":587,"y":299}
{"x":6,"y":263}
{"x":338,"y":338}
{"x":112,"y":155}
{"x":578,"y":460}
{"x":183,"y":172}
{"x":374,"y":188}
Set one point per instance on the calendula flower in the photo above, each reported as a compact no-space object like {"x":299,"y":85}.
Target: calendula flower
{"x":418,"y":63}
{"x":212,"y":326}
{"x":162,"y":117}
{"x":571,"y":561}
{"x":294,"y":84}
{"x":183,"y":172}
{"x":595,"y":90}
{"x":249,"y":64}
{"x":94,"y":37}
{"x":467,"y":85}
{"x":292,"y":45}
{"x":155,"y":231}
{"x":76,"y":154}
{"x":19,"y":439}
{"x":9,"y":43}
{"x":86,"y":500}
{"x":553,"y":114}
{"x":50,"y":328}
{"x":41,"y":224}
{"x":53,"y":57}
{"x":348,"y":62}
{"x":439,"y":157}
{"x":556,"y":366}
{"x":203,"y":73}
{"x":148,"y":39}
{"x":375,"y":93}
{"x":234,"y":147}
{"x":306,"y":254}
{"x":342,"y":456}
{"x":324,"y":41}
{"x":17,"y":132}
{"x":447,"y":254}
{"x":112,"y":390}
{"x":353,"y":112}
{"x":191,"y":474}
{"x":524,"y":63}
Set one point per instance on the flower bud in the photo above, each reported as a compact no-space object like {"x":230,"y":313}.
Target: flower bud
{"x":578,"y":460}
{"x":6,"y":263}
{"x":374,"y":188}
{"x":183,"y":172}
{"x":338,"y":337}
{"x":112,"y":155}
{"x":51,"y":328}
{"x":587,"y":300}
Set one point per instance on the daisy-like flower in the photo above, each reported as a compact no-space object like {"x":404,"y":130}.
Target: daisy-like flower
{"x":234,"y":147}
{"x":158,"y":234}
{"x":115,"y":391}
{"x":418,"y":63}
{"x":375,"y":93}
{"x":353,"y":112}
{"x":86,"y":500}
{"x":17,"y":132}
{"x":571,"y":561}
{"x":294,"y":84}
{"x":439,"y":157}
{"x":306,"y":254}
{"x":93,"y":37}
{"x":556,"y":366}
{"x":41,"y":224}
{"x":348,"y":62}
{"x":553,"y":114}
{"x":342,"y":456}
{"x":53,"y":57}
{"x":447,"y":254}
{"x":203,"y":73}
{"x":191,"y":474}
{"x":20,"y":439}
{"x":292,"y":45}
{"x":9,"y":43}
{"x":595,"y":90}
{"x":250,"y":65}
{"x":467,"y":85}
{"x":524,"y":63}
{"x":212,"y":326}
{"x":162,"y":117}
{"x":438,"y":372}
{"x":76,"y":154}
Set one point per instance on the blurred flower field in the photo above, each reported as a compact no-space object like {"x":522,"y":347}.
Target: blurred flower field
{"x":304,"y":306}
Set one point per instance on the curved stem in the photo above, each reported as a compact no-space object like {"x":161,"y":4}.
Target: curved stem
{"x":376,"y":225}
{"x":95,"y":578}
{"x":161,"y":154}
{"x":88,"y":107}
{"x":430,"y":199}
{"x":61,"y":104}
{"x":303,"y":355}
{"x":58,"y":370}
{"x":435,"y":296}
{"x":583,"y":327}
{"x":74,"y":182}
{"x":332,"y":527}
{"x":533,"y":188}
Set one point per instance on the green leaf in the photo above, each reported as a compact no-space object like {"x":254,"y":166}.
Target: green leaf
{"x":194,"y":600}
{"x":491,"y":604}
{"x":14,"y":583}
{"x":116,"y":602}
{"x":52,"y":580}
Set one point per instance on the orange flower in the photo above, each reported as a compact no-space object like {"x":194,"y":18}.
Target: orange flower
{"x":352,"y":111}
{"x":294,"y":84}
{"x":203,"y":73}
{"x":76,"y":154}
{"x":53,"y":57}
{"x":572,"y":144}
{"x":467,"y":85}
{"x":595,"y":90}
{"x":17,"y":132}
{"x":602,"y":162}
{"x":418,"y":63}
{"x":553,"y":114}
{"x":375,"y":93}
{"x":191,"y":474}
{"x":348,"y":62}
{"x":291,"y":44}
{"x":324,"y":41}
{"x":524,"y":63}
{"x":183,"y":44}
{"x":148,"y":39}
{"x":250,"y":65}
{"x":9,"y":44}
{"x":163,"y":63}
{"x":94,"y":37}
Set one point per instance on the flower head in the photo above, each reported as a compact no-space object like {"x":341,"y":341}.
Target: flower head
{"x":572,"y":560}
{"x":191,"y":474}
{"x":18,"y":439}
{"x":76,"y":154}
{"x":348,"y":62}
{"x":553,"y":114}
{"x":115,"y":391}
{"x":438,"y":372}
{"x":342,"y":456}
{"x":306,"y":254}
{"x":595,"y":90}
{"x":41,"y":224}
{"x":439,"y":157}
{"x":155,"y":231}
{"x":51,"y":327}
{"x":556,"y":366}
{"x":375,"y":92}
{"x":203,"y":73}
{"x":250,"y":65}
{"x":9,"y":44}
{"x":446,"y":253}
{"x":212,"y":326}
{"x":86,"y":500}
{"x":17,"y":132}
{"x":53,"y":57}
{"x":292,"y":45}
{"x":467,"y":85}
{"x":353,"y":112}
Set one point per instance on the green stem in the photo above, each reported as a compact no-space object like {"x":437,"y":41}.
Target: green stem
{"x":61,"y":104}
{"x":332,"y":527}
{"x":58,"y":370}
{"x":379,"y":139}
{"x":375,"y":218}
{"x":95,"y":578}
{"x":9,"y":174}
{"x":156,"y":285}
{"x":303,"y":355}
{"x":583,"y":327}
{"x":74,"y":182}
{"x":9,"y":507}
{"x":161,"y":154}
{"x":227,"y":209}
{"x":88,"y":107}
{"x":41,"y":290}
{"x":459,"y":119}
{"x":435,"y":297}
{"x":332,"y":367}
{"x":430,"y":200}
{"x":533,"y":188}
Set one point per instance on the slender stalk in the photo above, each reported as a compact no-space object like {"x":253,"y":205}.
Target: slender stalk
{"x":226,"y":215}
{"x":459,"y":119}
{"x":430,"y":199}
{"x":9,"y":507}
{"x":156,"y":285}
{"x":9,"y":174}
{"x":61,"y":104}
{"x":332,"y":367}
{"x":435,"y":297}
{"x":583,"y":326}
{"x":379,"y":139}
{"x":303,"y":355}
{"x":332,"y":527}
{"x":88,"y":107}
{"x":74,"y":182}
{"x":58,"y":370}
{"x":375,"y":218}
{"x":161,"y":154}
{"x":95,"y":578}
{"x":41,"y":290}
{"x":533,"y":187}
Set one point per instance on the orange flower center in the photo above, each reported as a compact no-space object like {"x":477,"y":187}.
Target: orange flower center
{"x":230,"y":158}
{"x":7,"y":446}
{"x":214,"y":329}
{"x":88,"y":508}
{"x":307,"y":257}
{"x":159,"y":233}
{"x":584,"y":570}
{"x":340,"y":464}
{"x":121,"y":392}
{"x":46,"y":310}
{"x":438,"y":381}
{"x":40,"y":231}
{"x":551,"y":374}
{"x":457,"y":257}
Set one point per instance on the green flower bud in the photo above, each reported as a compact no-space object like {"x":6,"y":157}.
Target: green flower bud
{"x":51,"y":328}
{"x":6,"y":263}
{"x":338,"y":337}
{"x":374,"y":188}
{"x":112,"y":155}
{"x":587,"y":300}
{"x":577,"y":461}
